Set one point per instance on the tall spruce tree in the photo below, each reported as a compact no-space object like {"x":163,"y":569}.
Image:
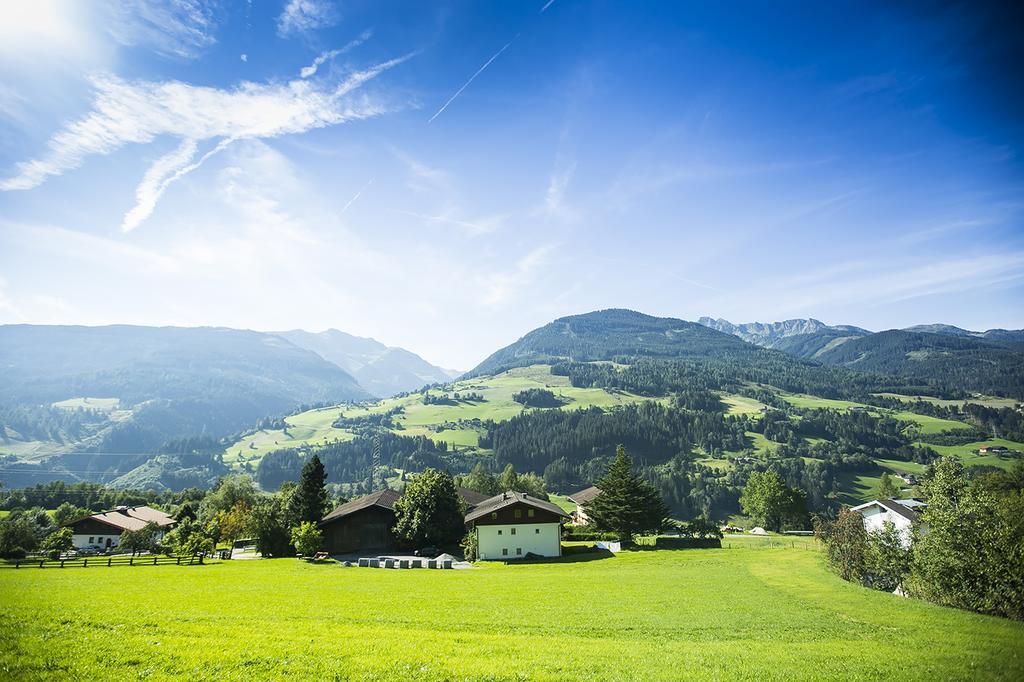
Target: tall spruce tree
{"x":309,"y":500}
{"x":627,"y":505}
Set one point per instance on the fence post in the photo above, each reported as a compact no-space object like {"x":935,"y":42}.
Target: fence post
{"x":179,"y":561}
{"x":41,"y":562}
{"x":131,"y":561}
{"x":109,"y":559}
{"x":154,"y":561}
{"x":85,"y":562}
{"x":62,"y":563}
{"x":17,"y":563}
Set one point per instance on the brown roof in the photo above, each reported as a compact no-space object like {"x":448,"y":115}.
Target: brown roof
{"x":130,"y":518}
{"x":502,"y":500}
{"x":585,"y":495}
{"x":471,"y":497}
{"x":897,"y":508}
{"x":382,"y":498}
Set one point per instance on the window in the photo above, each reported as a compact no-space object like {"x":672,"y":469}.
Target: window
{"x":536,"y":531}
{"x":499,"y":531}
{"x":519,"y":550}
{"x":513,"y":531}
{"x":519,"y":513}
{"x":529,"y":512}
{"x":504,"y":551}
{"x":91,"y":539}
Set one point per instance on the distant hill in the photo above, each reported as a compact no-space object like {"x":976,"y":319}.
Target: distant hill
{"x":1006,"y":336}
{"x":987,"y":365}
{"x":610,"y":334}
{"x":381,"y":370}
{"x":205,"y":380}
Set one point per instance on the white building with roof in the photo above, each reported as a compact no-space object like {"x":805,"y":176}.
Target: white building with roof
{"x":902,"y":514}
{"x":514,"y":525}
{"x":104,"y":530}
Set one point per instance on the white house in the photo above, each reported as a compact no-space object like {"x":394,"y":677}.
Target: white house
{"x":581,"y":498}
{"x":104,"y":530}
{"x":901,"y":513}
{"x":512,"y":525}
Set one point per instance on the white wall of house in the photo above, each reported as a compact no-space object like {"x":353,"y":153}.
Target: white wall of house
{"x":82,"y":541}
{"x":875,"y":517}
{"x":515,"y":541}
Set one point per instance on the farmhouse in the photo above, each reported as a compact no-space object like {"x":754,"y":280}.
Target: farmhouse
{"x":901,"y":513}
{"x":989,"y":449}
{"x":104,"y":529}
{"x":581,"y":498}
{"x":366,"y":523}
{"x":513,"y":525}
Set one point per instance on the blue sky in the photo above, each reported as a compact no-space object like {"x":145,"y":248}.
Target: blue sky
{"x":448,"y":176}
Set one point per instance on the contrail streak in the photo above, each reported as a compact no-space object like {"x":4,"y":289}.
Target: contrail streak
{"x":471,"y":78}
{"x":353,"y":199}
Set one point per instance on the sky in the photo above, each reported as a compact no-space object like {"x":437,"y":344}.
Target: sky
{"x":447,"y":176}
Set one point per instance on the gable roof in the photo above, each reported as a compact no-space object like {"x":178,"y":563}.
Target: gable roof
{"x":382,"y":498}
{"x":893,"y":506}
{"x":502,"y":500}
{"x":471,"y":497}
{"x":585,"y":495}
{"x":130,"y":518}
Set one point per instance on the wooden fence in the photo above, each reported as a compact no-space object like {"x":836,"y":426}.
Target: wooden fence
{"x":122,"y":560}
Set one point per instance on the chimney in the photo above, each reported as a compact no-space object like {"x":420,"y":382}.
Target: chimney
{"x":504,"y":496}
{"x":123,"y":509}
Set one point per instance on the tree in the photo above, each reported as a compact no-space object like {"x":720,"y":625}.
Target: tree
{"x":846,"y":544}
{"x":887,"y":488}
{"x":480,"y":480}
{"x":430,"y":511}
{"x":141,"y":540}
{"x":188,"y":538}
{"x":234,"y":523}
{"x":18,"y":535}
{"x":272,"y":535}
{"x":309,"y":500}
{"x":771,"y":503}
{"x":307,"y":538}
{"x":67,"y":512}
{"x":972,"y":555}
{"x":229,"y":491}
{"x":628,"y":505}
{"x":888,"y":558}
{"x":57,"y":542}
{"x":508,"y":479}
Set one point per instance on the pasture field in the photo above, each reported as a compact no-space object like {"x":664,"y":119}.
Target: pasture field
{"x":450,"y":422}
{"x":988,"y":401}
{"x":751,"y":613}
{"x":99,"y":404}
{"x":814,"y":402}
{"x":739,"y":404}
{"x":968,"y":453}
{"x":930,"y":425}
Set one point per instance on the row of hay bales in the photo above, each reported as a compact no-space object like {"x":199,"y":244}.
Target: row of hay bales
{"x":384,"y":562}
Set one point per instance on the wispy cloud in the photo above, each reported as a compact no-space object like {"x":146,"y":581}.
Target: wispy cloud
{"x":311,"y":70}
{"x":138,"y":112}
{"x":500,"y":286}
{"x":546,"y":5}
{"x":180,"y":28}
{"x":300,"y":16}
{"x":472,"y":78}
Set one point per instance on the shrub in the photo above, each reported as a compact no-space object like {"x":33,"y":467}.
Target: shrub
{"x":307,"y":538}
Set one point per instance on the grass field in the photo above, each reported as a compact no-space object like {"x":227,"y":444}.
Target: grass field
{"x":451,"y":423}
{"x":988,"y":401}
{"x":738,"y":404}
{"x":751,"y":614}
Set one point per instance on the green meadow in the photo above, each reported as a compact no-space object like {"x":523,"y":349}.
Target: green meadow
{"x":751,"y":613}
{"x":988,"y":401}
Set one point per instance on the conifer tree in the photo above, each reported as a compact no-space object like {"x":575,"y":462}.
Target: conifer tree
{"x":627,"y":505}
{"x":309,"y":500}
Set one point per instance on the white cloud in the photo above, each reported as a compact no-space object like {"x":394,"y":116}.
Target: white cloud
{"x":244,"y":57}
{"x":473,"y":228}
{"x":180,"y":28}
{"x":138,"y":112}
{"x":300,"y":16}
{"x":501,"y":286}
{"x":311,"y":70}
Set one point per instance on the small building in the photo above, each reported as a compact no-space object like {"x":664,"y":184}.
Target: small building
{"x":104,"y":530}
{"x":758,"y":530}
{"x":513,"y":525}
{"x":367,"y":523}
{"x":989,"y":449}
{"x":902,"y":514}
{"x":581,"y":498}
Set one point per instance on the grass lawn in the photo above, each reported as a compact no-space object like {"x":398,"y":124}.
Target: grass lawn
{"x":813,"y":402}
{"x":988,"y":401}
{"x":713,"y":614}
{"x":926,"y":424}
{"x":968,"y":453}
{"x":739,"y":404}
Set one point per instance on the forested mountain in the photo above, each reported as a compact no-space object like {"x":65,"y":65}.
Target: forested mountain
{"x":1006,"y":336}
{"x":612,"y":334}
{"x":964,"y":362}
{"x":381,"y":370}
{"x":164,"y":382}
